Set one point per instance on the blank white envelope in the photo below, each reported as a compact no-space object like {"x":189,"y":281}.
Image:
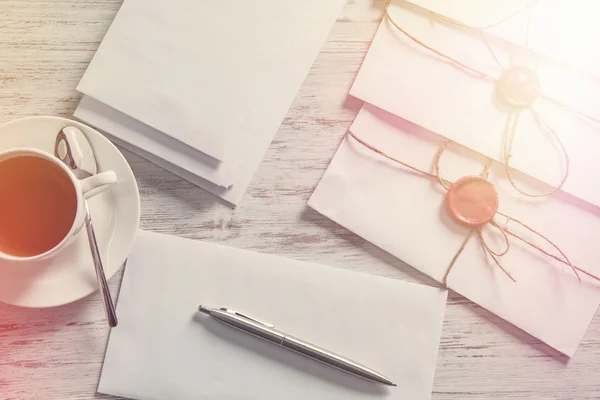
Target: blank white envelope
{"x":405,"y":214}
{"x":163,"y":350}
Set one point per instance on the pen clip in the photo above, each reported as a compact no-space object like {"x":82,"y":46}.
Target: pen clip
{"x":248,"y":317}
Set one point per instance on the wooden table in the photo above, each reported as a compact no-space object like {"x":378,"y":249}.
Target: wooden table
{"x":45,"y":46}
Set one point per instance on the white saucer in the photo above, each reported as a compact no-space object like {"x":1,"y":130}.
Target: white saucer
{"x":70,"y":275}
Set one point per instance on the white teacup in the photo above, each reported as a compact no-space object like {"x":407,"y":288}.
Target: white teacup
{"x":83,"y":189}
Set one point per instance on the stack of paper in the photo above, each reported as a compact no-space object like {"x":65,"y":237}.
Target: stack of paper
{"x":417,"y":99}
{"x":163,"y":350}
{"x":201,"y":87}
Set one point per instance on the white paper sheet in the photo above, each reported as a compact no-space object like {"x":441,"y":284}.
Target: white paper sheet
{"x":163,"y":350}
{"x":407,"y":80}
{"x":405,"y":214}
{"x":208,"y":72}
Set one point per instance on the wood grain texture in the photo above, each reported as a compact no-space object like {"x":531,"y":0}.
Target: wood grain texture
{"x":45,"y":46}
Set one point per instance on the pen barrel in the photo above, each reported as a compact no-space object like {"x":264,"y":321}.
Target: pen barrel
{"x":332,"y":359}
{"x":321,"y":355}
{"x":296,"y":345}
{"x":248,"y":326}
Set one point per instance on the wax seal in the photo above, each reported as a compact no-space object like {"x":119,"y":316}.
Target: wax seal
{"x":472,"y":201}
{"x":518,"y":86}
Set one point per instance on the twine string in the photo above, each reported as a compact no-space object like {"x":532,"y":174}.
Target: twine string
{"x":458,"y":253}
{"x":528,"y":26}
{"x":481,"y":31}
{"x":381,"y":153}
{"x":504,"y":235}
{"x":488,"y":26}
{"x":493,"y":255}
{"x":570,"y":108}
{"x":491,"y":50}
{"x":565,"y":260}
{"x":444,"y":182}
{"x":433,"y":50}
{"x":510,"y":129}
{"x":486,"y":168}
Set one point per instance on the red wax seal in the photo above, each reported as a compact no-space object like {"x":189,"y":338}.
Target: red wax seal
{"x":472,"y":201}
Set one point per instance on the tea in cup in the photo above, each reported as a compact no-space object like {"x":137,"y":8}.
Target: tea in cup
{"x":42,"y":203}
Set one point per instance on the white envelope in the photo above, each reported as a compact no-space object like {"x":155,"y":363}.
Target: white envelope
{"x":208,"y":72}
{"x":564,"y":30}
{"x":163,"y":350}
{"x":404,"y":213}
{"x":151,"y":141}
{"x":410,"y":81}
{"x":227,"y":180}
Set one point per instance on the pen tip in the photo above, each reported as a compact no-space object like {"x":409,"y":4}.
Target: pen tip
{"x":203,"y":309}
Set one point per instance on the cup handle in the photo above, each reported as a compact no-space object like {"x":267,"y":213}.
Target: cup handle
{"x":98,"y":183}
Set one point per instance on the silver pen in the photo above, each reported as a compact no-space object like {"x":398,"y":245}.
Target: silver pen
{"x":267,"y":332}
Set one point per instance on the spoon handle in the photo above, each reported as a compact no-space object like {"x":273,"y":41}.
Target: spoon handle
{"x":109,"y":307}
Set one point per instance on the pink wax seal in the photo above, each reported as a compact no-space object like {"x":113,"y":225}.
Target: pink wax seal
{"x":472,"y":201}
{"x":518,"y":86}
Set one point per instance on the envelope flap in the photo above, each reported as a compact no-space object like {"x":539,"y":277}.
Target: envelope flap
{"x":556,"y":28}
